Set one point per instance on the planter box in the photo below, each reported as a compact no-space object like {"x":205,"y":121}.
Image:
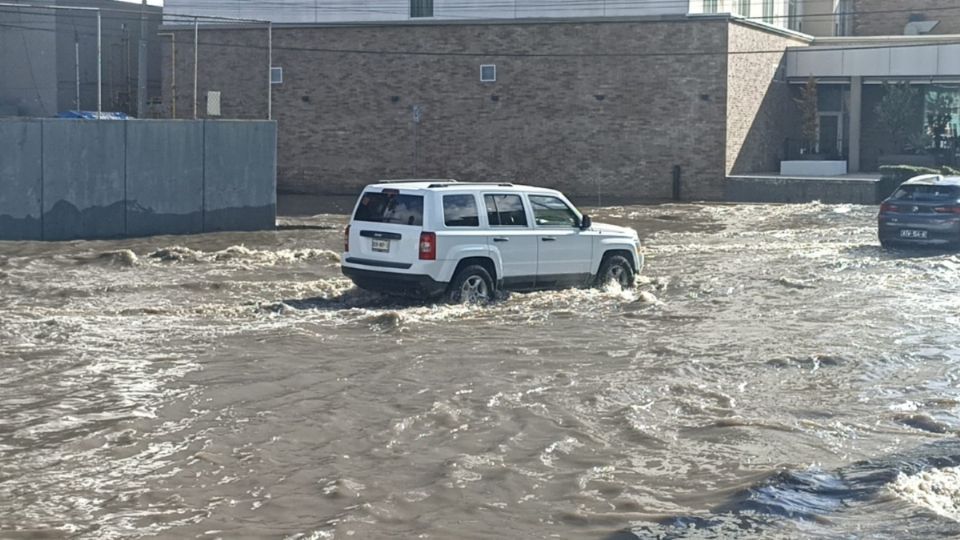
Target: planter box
{"x":914,"y":160}
{"x":813,"y":168}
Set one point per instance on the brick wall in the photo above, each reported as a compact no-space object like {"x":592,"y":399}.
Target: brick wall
{"x":761,"y":113}
{"x":597,"y":109}
{"x":889,"y":17}
{"x":232,"y":62}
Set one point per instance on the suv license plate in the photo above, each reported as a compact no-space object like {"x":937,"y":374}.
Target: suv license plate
{"x":384,"y":245}
{"x":912,"y":233}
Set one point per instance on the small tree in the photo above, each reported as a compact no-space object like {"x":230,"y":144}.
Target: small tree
{"x":809,"y":117}
{"x":940,"y":107}
{"x":896,"y":113}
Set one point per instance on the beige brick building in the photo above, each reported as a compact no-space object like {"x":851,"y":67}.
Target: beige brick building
{"x":599,"y":108}
{"x":899,"y":17}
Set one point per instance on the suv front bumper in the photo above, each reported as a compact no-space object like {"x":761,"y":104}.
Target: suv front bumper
{"x":395,"y":283}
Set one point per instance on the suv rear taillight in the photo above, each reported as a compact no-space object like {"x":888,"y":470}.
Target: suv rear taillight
{"x":428,"y":246}
{"x":887,"y":207}
{"x":947,"y":209}
{"x":346,"y":240}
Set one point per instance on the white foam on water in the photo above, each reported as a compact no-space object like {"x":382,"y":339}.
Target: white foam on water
{"x":937,"y":490}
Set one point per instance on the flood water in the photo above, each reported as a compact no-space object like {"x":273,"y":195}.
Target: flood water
{"x":774,"y":375}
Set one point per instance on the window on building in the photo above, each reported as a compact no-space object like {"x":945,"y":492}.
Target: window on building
{"x":460,"y":211}
{"x":844,"y":18}
{"x":793,"y":15}
{"x":276,"y":75}
{"x":488,"y":73}
{"x":743,"y":7}
{"x":421,"y":8}
{"x":768,"y":11}
{"x":710,"y":6}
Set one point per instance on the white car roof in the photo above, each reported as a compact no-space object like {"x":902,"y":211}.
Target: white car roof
{"x":449,"y":184}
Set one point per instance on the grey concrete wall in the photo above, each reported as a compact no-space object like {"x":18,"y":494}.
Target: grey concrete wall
{"x":20,"y":180}
{"x":240,"y":194}
{"x":69,"y":179}
{"x":83,"y":180}
{"x":800,"y":190}
{"x":164,"y":177}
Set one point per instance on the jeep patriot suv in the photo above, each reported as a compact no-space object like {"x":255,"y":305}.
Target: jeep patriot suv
{"x":466,"y":241}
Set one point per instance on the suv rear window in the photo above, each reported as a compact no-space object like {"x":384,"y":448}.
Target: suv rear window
{"x":505,"y":210}
{"x":390,"y":207}
{"x":922,"y":192}
{"x":460,"y":211}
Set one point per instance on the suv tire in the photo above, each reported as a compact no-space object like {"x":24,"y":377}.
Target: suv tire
{"x":471,"y":285}
{"x":616,"y":268}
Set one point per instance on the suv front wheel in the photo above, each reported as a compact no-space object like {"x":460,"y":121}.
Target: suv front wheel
{"x":616,"y":268}
{"x":471,"y":285}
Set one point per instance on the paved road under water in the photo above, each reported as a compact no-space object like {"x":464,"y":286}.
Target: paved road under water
{"x":236,"y":385}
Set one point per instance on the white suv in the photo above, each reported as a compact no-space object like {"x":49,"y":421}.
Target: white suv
{"x":469,"y":240}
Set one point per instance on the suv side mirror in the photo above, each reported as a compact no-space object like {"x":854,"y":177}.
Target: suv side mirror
{"x":585,"y":223}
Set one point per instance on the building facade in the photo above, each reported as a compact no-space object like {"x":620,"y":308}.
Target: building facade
{"x":49,"y":57}
{"x":608,"y":108}
{"x":904,"y":17}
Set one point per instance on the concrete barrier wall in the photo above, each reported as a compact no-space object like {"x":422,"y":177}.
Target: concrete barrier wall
{"x":164,"y":177}
{"x":21,"y":180}
{"x":235,"y":199}
{"x":83,"y":180}
{"x":69,"y":179}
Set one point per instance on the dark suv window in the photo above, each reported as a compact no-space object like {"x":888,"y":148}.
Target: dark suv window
{"x":505,"y":210}
{"x":552,"y":212}
{"x":390,"y":207}
{"x":460,"y":211}
{"x":930,"y":193}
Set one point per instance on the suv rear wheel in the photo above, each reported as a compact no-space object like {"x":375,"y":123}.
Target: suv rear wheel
{"x":471,"y":285}
{"x":616,"y":268}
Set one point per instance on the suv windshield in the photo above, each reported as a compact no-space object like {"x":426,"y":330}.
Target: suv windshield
{"x":390,"y":207}
{"x":924,"y":192}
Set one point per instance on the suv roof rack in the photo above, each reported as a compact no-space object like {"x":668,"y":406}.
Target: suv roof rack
{"x":448,"y":184}
{"x":410,"y":180}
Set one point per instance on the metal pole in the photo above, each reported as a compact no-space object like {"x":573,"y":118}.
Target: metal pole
{"x":270,"y":71}
{"x":142,"y":63}
{"x":173,"y":70}
{"x":76,"y":60}
{"x":99,"y":69}
{"x":196,"y":58}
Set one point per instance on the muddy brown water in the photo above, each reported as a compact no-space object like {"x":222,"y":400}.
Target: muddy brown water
{"x":236,"y":386}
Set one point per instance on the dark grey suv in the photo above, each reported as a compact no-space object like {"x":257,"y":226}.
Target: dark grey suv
{"x":924,"y":210}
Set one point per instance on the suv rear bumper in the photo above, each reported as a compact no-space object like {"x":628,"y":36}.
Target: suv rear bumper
{"x":394,"y":282}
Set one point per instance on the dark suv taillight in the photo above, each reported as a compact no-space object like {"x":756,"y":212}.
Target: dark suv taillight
{"x":887,"y":207}
{"x":428,"y":246}
{"x":346,"y":239}
{"x":947,"y":209}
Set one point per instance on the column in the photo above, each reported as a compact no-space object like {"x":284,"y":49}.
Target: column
{"x":856,"y":110}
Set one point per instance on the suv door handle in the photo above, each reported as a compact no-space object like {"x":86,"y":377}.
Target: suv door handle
{"x":501,"y":239}
{"x":548,"y":239}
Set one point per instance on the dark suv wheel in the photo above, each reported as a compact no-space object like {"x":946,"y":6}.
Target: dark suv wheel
{"x":615,"y":268}
{"x":471,"y":285}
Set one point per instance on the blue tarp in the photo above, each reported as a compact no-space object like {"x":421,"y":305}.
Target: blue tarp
{"x":92,"y":115}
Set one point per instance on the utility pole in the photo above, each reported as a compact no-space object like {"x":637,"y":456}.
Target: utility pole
{"x":142,"y":63}
{"x":99,"y":67}
{"x":196,"y":58}
{"x":76,"y":63}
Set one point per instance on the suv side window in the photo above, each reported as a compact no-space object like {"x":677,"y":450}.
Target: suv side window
{"x":460,"y":211}
{"x":505,"y":210}
{"x":552,"y":212}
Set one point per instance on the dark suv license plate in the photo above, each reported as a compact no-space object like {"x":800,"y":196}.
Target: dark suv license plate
{"x":913,"y":233}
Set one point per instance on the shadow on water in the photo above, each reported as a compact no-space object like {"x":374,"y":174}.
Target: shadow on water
{"x":809,"y":495}
{"x":900,"y":253}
